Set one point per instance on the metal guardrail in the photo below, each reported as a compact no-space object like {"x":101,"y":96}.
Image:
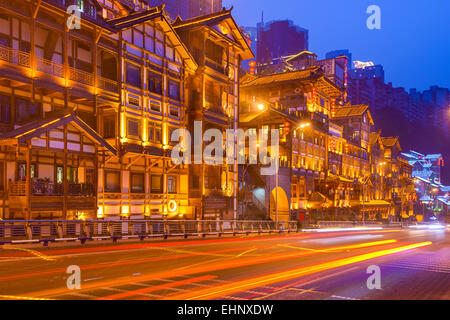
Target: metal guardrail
{"x":46,"y":231}
{"x":368,"y":223}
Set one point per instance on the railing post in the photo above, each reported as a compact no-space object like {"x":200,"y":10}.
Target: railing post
{"x":149,"y":227}
{"x":183,"y":228}
{"x":130,"y":228}
{"x":85,"y":229}
{"x":199,"y":227}
{"x":110,"y":229}
{"x":29,"y":230}
{"x":166,"y":229}
{"x":60,"y":229}
{"x":220,"y":228}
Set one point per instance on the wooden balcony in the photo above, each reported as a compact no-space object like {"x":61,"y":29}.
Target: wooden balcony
{"x":23,"y":59}
{"x":50,"y":189}
{"x":15,"y":57}
{"x":47,"y":196}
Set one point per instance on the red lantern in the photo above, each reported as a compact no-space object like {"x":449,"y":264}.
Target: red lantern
{"x":252,"y":63}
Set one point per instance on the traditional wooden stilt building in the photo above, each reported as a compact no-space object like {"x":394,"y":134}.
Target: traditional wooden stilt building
{"x":88,"y":107}
{"x":218,"y":47}
{"x":329,"y":173}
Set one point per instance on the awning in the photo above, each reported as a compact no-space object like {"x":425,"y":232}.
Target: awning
{"x":35,"y":129}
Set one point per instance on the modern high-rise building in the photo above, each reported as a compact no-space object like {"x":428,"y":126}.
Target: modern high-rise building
{"x":436,"y":101}
{"x":279,"y":39}
{"x":202,"y":7}
{"x":341,"y":53}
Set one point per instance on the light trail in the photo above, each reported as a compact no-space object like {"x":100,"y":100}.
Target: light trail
{"x":128,"y":247}
{"x":251,"y":283}
{"x":354,"y":246}
{"x":183,"y":271}
{"x":156,"y":288}
{"x":115,"y":264}
{"x":33,"y":252}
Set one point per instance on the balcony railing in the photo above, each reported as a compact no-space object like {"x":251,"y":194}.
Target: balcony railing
{"x":81,"y":76}
{"x":23,"y":59}
{"x":14,"y":56}
{"x":215,"y":65}
{"x":47,"y":188}
{"x":50,"y":67}
{"x":108,"y":85}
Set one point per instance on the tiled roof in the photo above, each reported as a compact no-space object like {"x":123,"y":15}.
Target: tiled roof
{"x":203,"y":20}
{"x":302,"y":53}
{"x":284,"y":77}
{"x":213,"y":19}
{"x":36,"y":128}
{"x":351,"y":111}
{"x":373,"y":137}
{"x":389,"y":141}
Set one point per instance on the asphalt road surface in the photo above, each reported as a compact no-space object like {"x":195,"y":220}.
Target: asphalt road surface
{"x":412,"y":264}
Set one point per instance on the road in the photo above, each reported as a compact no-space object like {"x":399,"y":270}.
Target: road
{"x":413,"y":264}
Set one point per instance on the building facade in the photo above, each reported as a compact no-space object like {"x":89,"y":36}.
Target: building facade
{"x":332,"y":166}
{"x":88,"y":113}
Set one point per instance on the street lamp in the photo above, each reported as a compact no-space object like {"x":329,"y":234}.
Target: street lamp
{"x":261,"y":107}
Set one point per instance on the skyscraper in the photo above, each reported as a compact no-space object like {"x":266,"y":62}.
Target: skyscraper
{"x":202,"y":7}
{"x":279,"y":39}
{"x":341,"y":53}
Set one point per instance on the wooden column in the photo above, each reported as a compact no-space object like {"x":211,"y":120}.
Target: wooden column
{"x":28,"y":181}
{"x":65,"y":186}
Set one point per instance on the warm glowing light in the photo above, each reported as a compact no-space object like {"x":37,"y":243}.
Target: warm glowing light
{"x":260,"y":107}
{"x":125,"y":211}
{"x":100,"y":212}
{"x":172,"y":206}
{"x":254,"y":282}
{"x":304,"y":125}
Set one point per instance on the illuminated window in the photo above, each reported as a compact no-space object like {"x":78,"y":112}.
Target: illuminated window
{"x":154,"y":132}
{"x":134,"y":76}
{"x":154,"y":82}
{"x":172,"y":184}
{"x":174,"y":90}
{"x":22,"y":171}
{"x":59,"y":175}
{"x":156,"y":107}
{"x":112,"y":181}
{"x":137,"y":183}
{"x":174,"y":112}
{"x":156,"y":184}
{"x":133,"y":128}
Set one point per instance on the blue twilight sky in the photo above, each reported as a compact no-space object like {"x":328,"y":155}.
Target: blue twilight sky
{"x":413,"y":44}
